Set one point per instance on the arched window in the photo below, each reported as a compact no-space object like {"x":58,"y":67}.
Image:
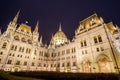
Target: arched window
{"x":99,"y":38}
{"x":81,"y":44}
{"x":95,"y":40}
{"x":23,"y":39}
{"x":16,"y":38}
{"x":29,"y":41}
{"x":20,"y":49}
{"x":23,"y":49}
{"x":33,"y":64}
{"x":4,"y":45}
{"x":85,"y":43}
{"x":12,"y":47}
{"x":15,"y":48}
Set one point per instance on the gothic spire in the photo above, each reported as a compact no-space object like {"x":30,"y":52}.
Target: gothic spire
{"x":117,"y":28}
{"x":36,"y":27}
{"x":16,"y":17}
{"x":60,"y":29}
{"x":52,"y":41}
{"x":0,"y":32}
{"x":41,"y":40}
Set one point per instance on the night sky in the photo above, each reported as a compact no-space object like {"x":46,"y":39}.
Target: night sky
{"x":51,"y":13}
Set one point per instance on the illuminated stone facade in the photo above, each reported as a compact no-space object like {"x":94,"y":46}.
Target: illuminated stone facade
{"x":95,"y":48}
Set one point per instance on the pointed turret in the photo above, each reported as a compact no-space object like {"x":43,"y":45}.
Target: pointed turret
{"x":101,"y":19}
{"x":36,"y":33}
{"x":60,"y":29}
{"x":16,"y":17}
{"x":41,"y":41}
{"x":36,"y":28}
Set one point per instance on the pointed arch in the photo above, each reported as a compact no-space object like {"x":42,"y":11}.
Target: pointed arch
{"x":103,"y":63}
{"x":86,"y":65}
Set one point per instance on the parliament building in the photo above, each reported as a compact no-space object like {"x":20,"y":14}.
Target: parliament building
{"x":95,"y":48}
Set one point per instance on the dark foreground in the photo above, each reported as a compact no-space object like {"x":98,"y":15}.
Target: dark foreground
{"x":68,"y":76}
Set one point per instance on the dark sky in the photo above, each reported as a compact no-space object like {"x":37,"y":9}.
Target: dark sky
{"x":52,"y":12}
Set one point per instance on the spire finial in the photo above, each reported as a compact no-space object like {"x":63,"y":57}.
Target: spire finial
{"x":16,"y":17}
{"x":60,"y":29}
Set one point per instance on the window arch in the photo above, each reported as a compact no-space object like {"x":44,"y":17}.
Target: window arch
{"x":16,"y":37}
{"x":23,"y":39}
{"x":9,"y":61}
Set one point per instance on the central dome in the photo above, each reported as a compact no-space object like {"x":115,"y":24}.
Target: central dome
{"x":59,"y":37}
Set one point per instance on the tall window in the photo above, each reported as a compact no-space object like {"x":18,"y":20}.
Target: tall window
{"x":99,"y":38}
{"x":20,"y":49}
{"x":9,"y":61}
{"x":33,"y":64}
{"x":58,"y":65}
{"x":81,"y":44}
{"x":97,"y":49}
{"x":68,"y":64}
{"x":15,"y":48}
{"x":23,"y":49}
{"x":95,"y":40}
{"x":29,"y":50}
{"x":12,"y":47}
{"x":85,"y":44}
{"x":25,"y":63}
{"x":74,"y":63}
{"x":4,"y":45}
{"x":18,"y":63}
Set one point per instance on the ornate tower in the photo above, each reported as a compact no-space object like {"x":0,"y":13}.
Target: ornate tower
{"x":59,"y":37}
{"x":13,"y":24}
